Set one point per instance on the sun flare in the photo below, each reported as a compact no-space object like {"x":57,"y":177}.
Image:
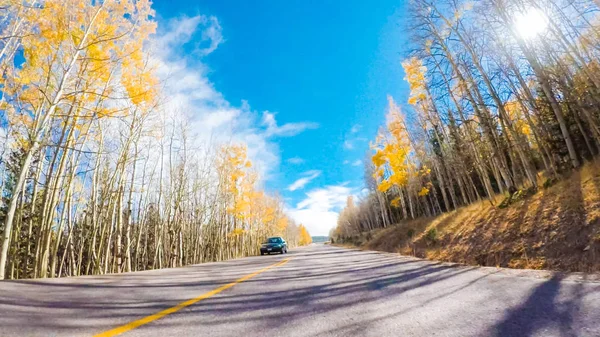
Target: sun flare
{"x":531,"y":23}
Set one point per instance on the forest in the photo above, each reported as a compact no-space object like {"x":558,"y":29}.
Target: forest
{"x":97,"y":174}
{"x":504,"y":102}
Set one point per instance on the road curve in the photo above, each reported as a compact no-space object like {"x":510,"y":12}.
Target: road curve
{"x":320,"y":291}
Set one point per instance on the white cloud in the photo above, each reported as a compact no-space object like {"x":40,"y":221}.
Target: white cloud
{"x":319,"y":210}
{"x":352,"y":139}
{"x":193,"y":101}
{"x":212,"y":33}
{"x":295,"y":160}
{"x":354,"y":163}
{"x":286,"y":130}
{"x":300,"y":183}
{"x":183,"y":30}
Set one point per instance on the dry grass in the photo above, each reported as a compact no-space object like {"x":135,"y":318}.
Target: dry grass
{"x":557,"y":228}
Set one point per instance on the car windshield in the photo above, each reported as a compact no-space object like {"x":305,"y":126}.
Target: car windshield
{"x":274,"y":240}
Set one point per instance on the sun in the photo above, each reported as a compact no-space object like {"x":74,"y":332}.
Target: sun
{"x":531,"y":23}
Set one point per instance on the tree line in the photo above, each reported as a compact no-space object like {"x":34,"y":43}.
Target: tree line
{"x":504,"y":99}
{"x":97,"y":174}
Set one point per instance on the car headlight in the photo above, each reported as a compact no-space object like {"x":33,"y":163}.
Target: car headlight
{"x":263,"y":246}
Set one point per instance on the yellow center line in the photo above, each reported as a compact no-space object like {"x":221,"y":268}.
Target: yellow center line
{"x":135,"y":324}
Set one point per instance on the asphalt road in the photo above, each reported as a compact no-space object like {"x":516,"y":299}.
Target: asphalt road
{"x":320,"y":291}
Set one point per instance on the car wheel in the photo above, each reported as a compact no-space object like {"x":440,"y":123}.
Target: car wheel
{"x":261,"y":253}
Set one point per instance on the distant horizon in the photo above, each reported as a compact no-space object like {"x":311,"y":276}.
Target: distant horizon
{"x":320,"y":238}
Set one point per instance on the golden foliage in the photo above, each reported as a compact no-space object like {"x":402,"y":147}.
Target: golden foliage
{"x":91,"y":41}
{"x":415,"y":76}
{"x":517,"y":117}
{"x":246,"y":204}
{"x":305,"y":238}
{"x":392,"y":153}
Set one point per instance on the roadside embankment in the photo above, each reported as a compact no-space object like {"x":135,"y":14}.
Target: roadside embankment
{"x":557,"y":228}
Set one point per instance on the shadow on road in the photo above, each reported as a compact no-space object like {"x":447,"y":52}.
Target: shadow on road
{"x":540,"y":312}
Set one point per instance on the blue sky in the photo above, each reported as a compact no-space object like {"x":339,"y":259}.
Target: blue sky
{"x":304,"y":83}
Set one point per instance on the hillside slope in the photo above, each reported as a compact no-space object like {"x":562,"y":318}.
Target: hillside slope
{"x":557,"y":228}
